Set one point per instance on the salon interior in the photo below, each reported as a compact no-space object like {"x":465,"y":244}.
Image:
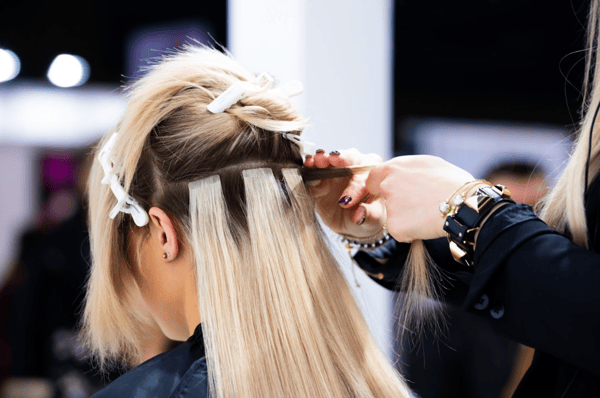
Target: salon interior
{"x":392,"y":77}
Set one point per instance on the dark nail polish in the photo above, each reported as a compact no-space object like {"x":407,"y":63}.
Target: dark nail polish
{"x":334,"y":153}
{"x":361,"y":221}
{"x":320,"y":151}
{"x":345,"y":200}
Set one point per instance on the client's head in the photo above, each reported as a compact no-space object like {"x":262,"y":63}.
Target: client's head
{"x":231,"y":240}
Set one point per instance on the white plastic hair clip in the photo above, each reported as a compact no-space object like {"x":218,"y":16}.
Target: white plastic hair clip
{"x":241,"y":90}
{"x":307,"y":148}
{"x":236,"y":92}
{"x":125,"y":202}
{"x":289,"y":89}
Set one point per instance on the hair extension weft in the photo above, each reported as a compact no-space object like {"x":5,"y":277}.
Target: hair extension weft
{"x":282,"y":321}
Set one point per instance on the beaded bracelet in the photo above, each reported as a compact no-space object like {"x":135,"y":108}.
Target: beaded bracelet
{"x":368,"y":243}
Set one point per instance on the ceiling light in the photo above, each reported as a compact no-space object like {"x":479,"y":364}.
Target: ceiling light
{"x":68,"y":71}
{"x":9,"y":65}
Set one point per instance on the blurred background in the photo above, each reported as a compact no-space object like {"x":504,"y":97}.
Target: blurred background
{"x":480,"y":83}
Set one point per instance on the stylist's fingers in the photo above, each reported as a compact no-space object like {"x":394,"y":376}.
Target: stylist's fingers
{"x":352,"y":157}
{"x":342,"y":158}
{"x":309,"y":162}
{"x":345,"y":158}
{"x":375,"y":181}
{"x":354,"y":193}
{"x":369,"y":214}
{"x":333,"y":159}
{"x":321,"y":159}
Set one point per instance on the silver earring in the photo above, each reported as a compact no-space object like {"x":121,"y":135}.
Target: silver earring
{"x":166,"y":255}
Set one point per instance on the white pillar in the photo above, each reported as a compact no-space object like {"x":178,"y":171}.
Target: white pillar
{"x":342,"y":51}
{"x":268,"y":36}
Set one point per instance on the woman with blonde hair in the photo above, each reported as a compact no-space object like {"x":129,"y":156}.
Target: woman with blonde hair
{"x":537,"y":279}
{"x":200,"y":223}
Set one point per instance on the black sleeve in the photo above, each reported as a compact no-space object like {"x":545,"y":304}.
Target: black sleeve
{"x":538,"y":287}
{"x":530,"y":281}
{"x":393,"y":255}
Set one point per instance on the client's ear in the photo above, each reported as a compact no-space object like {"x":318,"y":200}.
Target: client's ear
{"x":165,"y":233}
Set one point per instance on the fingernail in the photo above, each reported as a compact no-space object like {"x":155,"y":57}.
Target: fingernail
{"x":320,"y":151}
{"x":361,"y":221}
{"x":345,"y":200}
{"x":334,"y":153}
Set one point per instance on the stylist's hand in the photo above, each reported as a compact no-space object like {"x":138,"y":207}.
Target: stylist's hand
{"x":413,"y":188}
{"x":343,"y":203}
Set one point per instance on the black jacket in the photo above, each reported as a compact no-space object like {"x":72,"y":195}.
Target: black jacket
{"x":535,"y":285}
{"x":179,"y":373}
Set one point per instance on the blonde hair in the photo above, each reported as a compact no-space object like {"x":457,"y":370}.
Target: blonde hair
{"x":278,"y":318}
{"x":563,"y":209}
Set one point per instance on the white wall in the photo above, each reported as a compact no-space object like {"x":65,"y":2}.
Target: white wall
{"x":342,"y":52}
{"x":37,"y":113}
{"x":477,"y":146}
{"x":269,"y":36}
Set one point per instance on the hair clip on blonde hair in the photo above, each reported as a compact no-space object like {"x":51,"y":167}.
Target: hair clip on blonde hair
{"x":125,"y":202}
{"x":240,"y":90}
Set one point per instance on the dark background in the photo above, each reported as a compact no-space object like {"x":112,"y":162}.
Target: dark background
{"x":490,"y":59}
{"x":477,"y":59}
{"x":97,"y":31}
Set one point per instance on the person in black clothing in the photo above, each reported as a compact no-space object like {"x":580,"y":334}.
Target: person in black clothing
{"x":532,"y":282}
{"x":536,"y":279}
{"x":44,"y":311}
{"x":471,"y":359}
{"x":201,"y":225}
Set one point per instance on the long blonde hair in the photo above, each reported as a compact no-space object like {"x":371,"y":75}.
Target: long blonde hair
{"x":278,"y":318}
{"x":564,"y":209}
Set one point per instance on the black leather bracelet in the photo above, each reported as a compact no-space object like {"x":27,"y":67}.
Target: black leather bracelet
{"x":463,"y":224}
